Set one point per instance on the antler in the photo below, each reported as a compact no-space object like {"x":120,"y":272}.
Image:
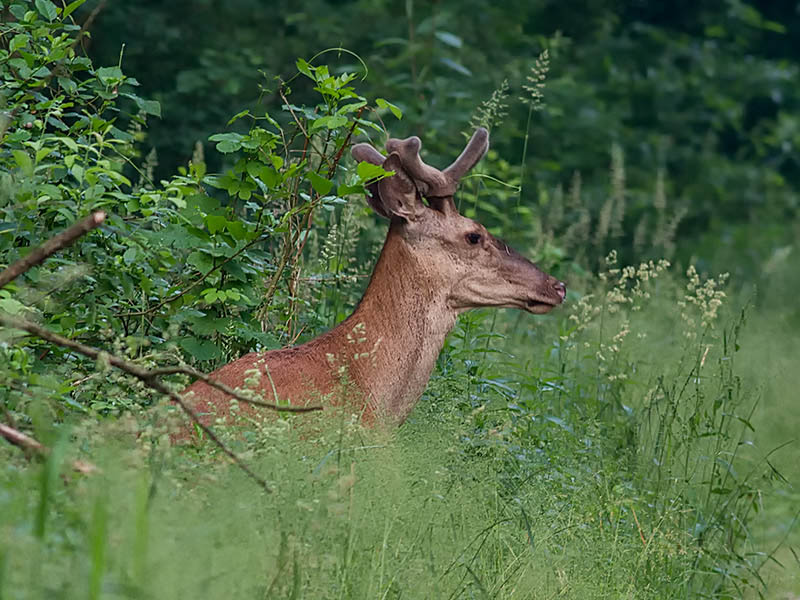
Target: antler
{"x":435,"y":185}
{"x":475,"y":150}
{"x":431,"y":181}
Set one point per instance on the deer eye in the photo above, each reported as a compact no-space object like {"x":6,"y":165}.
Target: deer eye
{"x":473,"y":238}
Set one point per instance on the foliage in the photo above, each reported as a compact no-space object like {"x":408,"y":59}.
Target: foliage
{"x":180,"y":272}
{"x":585,"y":472}
{"x":704,"y":94}
{"x":640,"y":406}
{"x":608,"y":451}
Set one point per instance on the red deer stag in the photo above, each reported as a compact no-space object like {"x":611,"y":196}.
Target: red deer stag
{"x":434,"y":265}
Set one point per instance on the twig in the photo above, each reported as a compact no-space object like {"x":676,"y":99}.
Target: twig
{"x":639,"y":527}
{"x":51,"y":246}
{"x":338,"y":156}
{"x":27,"y":443}
{"x":297,"y":336}
{"x":21,"y":440}
{"x":291,"y":110}
{"x":187,"y":370}
{"x":148,"y":377}
{"x":331,"y":172}
{"x":194,"y":284}
{"x":87,"y":24}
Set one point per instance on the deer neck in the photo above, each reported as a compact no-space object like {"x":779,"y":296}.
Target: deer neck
{"x":393,"y":338}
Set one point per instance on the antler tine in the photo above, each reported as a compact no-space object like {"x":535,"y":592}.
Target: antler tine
{"x":366,"y":153}
{"x":430,"y":181}
{"x":477,"y":146}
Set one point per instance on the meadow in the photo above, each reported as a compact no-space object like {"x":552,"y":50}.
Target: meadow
{"x":532,"y":468}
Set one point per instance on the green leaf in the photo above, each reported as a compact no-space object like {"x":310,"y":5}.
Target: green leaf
{"x":386,"y":104}
{"x":71,"y":7}
{"x":367,"y":171}
{"x":305,"y":69}
{"x":18,"y":41}
{"x":68,"y":85}
{"x":253,"y":168}
{"x":457,"y":67}
{"x":207,"y":325}
{"x":215,"y":223}
{"x":346,"y":190}
{"x":560,"y":422}
{"x":238,"y":115}
{"x":150,"y":107}
{"x":178,"y":201}
{"x":11,"y":306}
{"x":130,"y":255}
{"x":227,"y":142}
{"x":269,"y":176}
{"x":321,"y":185}
{"x":40,"y":154}
{"x":228,"y":146}
{"x":351,"y":108}
{"x":68,"y":142}
{"x":24,"y":161}
{"x":236,"y":229}
{"x":331,"y":122}
{"x":448,"y":38}
{"x":210,"y":295}
{"x":200,"y":349}
{"x":47,"y":9}
{"x":109,"y":75}
{"x":200,"y":261}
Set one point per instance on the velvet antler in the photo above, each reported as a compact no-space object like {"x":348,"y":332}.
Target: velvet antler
{"x":433,"y":184}
{"x":430,"y":180}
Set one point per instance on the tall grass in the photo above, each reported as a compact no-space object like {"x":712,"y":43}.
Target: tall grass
{"x":550,"y":457}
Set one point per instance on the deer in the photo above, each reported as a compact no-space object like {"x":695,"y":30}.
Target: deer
{"x":434,"y":265}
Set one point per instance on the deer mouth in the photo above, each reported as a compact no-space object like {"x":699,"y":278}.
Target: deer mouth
{"x":538,"y":306}
{"x":546,"y":302}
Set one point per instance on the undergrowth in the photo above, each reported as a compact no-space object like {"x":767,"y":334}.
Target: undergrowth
{"x":610,"y":449}
{"x":632,"y":473}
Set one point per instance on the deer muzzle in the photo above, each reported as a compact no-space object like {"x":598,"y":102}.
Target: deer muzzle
{"x":547,"y":297}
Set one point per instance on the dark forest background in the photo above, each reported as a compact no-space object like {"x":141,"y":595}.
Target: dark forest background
{"x":705,"y":91}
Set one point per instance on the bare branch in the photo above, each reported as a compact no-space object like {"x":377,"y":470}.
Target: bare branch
{"x":21,"y":440}
{"x":145,"y":375}
{"x":51,"y":246}
{"x":27,"y":443}
{"x":187,"y":370}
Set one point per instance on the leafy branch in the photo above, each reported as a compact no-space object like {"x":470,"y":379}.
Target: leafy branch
{"x":149,"y":377}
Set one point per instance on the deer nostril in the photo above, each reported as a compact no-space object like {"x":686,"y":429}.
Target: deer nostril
{"x":561,"y":289}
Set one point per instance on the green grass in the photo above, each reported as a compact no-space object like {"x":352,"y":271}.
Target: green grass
{"x":531,"y":469}
{"x":408,"y":517}
{"x":770,"y":348}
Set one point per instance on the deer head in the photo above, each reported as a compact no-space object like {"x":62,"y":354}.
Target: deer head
{"x":475,"y":268}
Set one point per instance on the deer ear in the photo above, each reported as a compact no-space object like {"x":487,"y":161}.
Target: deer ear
{"x":397,"y":194}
